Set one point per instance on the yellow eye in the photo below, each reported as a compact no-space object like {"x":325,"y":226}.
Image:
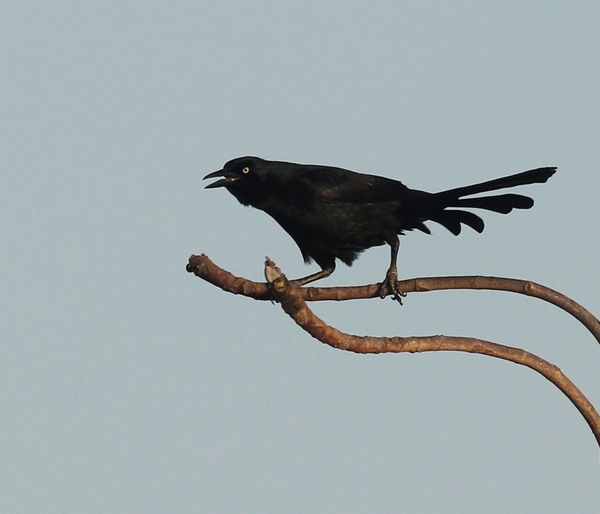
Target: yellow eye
{"x":246,"y":170}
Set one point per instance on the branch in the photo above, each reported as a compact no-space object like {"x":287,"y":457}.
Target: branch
{"x":293,"y":301}
{"x":204,"y":268}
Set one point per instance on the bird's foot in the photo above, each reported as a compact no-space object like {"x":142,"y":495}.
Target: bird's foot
{"x":390,"y":285}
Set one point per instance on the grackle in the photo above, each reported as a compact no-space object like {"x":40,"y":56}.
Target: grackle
{"x":333,"y":213}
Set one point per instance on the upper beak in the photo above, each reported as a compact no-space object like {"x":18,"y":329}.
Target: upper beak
{"x":229,"y":178}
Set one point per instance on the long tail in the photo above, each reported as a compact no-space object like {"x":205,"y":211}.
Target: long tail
{"x":537,"y":176}
{"x":438,"y":206}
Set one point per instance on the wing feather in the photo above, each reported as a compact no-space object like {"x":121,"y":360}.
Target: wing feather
{"x":337,"y":185}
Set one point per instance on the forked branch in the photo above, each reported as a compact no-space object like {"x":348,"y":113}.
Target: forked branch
{"x":293,"y":301}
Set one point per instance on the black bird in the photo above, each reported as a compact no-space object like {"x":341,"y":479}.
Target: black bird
{"x":333,"y":213}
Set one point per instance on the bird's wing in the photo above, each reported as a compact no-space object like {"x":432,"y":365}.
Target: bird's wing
{"x":337,"y":185}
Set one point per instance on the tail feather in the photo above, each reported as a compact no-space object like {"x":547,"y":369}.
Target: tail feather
{"x":537,"y":176}
{"x":438,"y":206}
{"x":453,"y":220}
{"x":502,"y":204}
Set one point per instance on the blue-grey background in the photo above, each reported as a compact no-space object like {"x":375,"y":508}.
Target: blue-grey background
{"x":129,"y":386}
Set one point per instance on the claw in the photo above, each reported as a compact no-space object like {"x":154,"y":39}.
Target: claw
{"x":390,"y":285}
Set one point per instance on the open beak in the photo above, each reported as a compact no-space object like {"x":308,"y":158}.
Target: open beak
{"x":229,"y":178}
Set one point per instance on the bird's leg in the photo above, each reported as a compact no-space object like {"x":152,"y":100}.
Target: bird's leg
{"x":325,"y":272}
{"x":390,"y":284}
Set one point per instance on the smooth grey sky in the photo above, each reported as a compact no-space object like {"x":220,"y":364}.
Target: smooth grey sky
{"x":128,"y":385}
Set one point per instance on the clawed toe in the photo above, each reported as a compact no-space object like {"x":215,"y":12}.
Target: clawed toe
{"x":390,"y":286}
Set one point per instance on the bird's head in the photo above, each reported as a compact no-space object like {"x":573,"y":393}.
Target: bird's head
{"x":243,"y":178}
